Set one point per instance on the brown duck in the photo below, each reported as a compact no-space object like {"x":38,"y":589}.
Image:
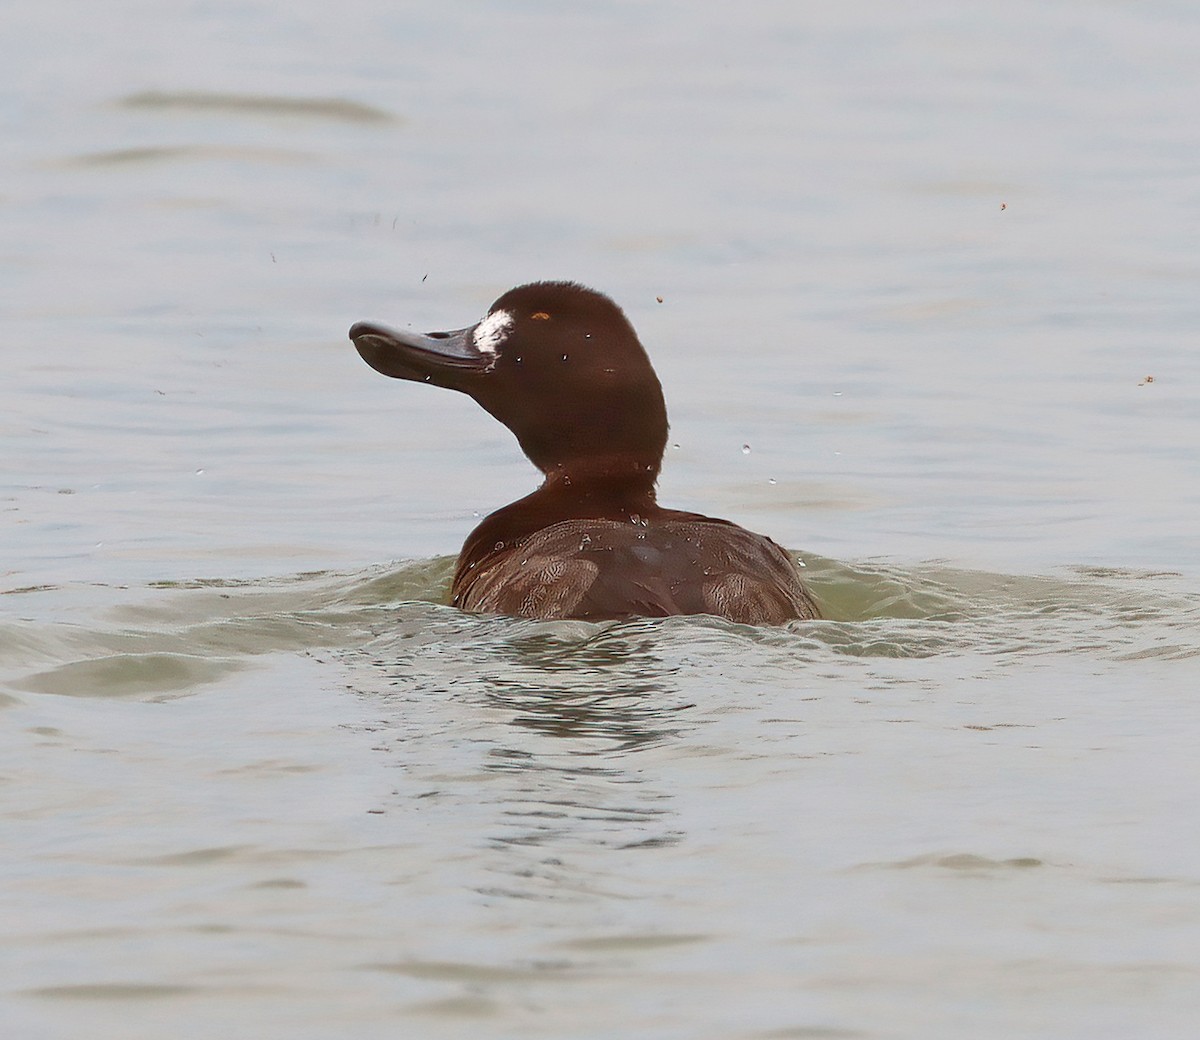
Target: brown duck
{"x":560,"y":366}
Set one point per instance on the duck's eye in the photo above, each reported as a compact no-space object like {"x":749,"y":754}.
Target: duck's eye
{"x":540,"y":316}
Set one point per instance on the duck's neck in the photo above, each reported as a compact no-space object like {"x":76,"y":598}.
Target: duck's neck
{"x":607,"y":485}
{"x":618,"y":489}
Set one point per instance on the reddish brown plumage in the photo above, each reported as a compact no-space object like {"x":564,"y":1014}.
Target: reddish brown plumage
{"x":563,"y":369}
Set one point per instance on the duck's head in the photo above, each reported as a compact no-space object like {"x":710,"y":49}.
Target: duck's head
{"x":557,"y":363}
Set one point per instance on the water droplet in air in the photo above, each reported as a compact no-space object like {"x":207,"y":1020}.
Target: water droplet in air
{"x":772,"y":480}
{"x":199,"y":472}
{"x":499,"y":545}
{"x":745,"y":449}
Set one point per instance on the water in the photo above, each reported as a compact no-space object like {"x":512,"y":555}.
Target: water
{"x":258,"y":779}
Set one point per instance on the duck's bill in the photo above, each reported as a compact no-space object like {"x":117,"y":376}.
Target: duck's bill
{"x":443,"y":358}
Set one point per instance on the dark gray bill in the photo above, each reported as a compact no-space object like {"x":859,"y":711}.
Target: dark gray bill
{"x":442,"y":358}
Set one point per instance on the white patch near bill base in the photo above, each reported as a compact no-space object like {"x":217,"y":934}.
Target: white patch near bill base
{"x":493,"y":331}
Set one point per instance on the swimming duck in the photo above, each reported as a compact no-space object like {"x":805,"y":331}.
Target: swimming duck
{"x":561,"y":366}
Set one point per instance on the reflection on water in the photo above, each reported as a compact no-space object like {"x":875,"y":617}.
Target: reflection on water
{"x":599,"y":702}
{"x":560,"y":725}
{"x":608,"y":690}
{"x":569,"y":708}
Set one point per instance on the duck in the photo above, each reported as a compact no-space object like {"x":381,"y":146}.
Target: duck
{"x":562,"y":368}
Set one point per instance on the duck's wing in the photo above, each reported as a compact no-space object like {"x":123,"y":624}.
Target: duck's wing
{"x":528,"y":581}
{"x":601,"y":569}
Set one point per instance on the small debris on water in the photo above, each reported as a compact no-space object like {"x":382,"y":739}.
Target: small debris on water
{"x":1148,"y":379}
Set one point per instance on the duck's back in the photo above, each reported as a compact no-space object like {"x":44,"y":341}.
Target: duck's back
{"x":604,"y":569}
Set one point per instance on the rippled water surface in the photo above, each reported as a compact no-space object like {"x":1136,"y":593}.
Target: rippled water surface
{"x":928,"y":316}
